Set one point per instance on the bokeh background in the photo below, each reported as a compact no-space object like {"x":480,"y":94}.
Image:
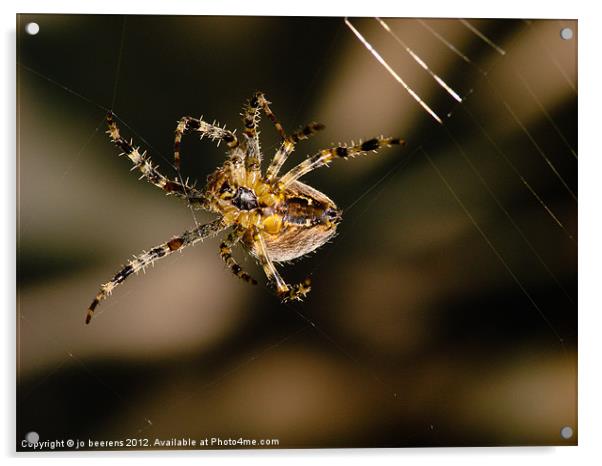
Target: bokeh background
{"x":443,"y":314}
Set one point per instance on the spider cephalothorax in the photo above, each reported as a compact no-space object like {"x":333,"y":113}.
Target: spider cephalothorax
{"x":277,"y":218}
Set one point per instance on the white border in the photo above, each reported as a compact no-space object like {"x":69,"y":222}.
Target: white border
{"x":422,"y":8}
{"x":590,"y":170}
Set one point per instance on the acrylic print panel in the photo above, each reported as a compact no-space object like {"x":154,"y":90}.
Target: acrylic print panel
{"x":443,"y":313}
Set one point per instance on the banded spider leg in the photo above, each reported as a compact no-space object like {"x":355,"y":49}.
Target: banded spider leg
{"x":140,"y":262}
{"x":149,"y":171}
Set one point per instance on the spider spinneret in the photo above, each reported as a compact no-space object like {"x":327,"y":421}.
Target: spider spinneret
{"x":276,"y":218}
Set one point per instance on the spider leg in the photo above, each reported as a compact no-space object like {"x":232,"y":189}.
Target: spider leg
{"x":187,"y":124}
{"x":285,"y":291}
{"x":250,"y":119}
{"x":140,"y":262}
{"x":324,"y":157}
{"x":288,"y":146}
{"x":250,"y":116}
{"x":225,"y":251}
{"x":148,"y":170}
{"x":235,"y":162}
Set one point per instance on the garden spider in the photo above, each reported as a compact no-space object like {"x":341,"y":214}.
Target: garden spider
{"x":277,"y":218}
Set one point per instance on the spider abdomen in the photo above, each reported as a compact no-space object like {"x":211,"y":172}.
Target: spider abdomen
{"x":301,"y":223}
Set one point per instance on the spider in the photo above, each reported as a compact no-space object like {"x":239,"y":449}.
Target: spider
{"x":276,"y":218}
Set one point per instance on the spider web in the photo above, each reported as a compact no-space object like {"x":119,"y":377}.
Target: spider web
{"x":457,"y":157}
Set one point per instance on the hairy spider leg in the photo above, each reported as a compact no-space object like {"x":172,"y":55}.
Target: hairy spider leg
{"x":250,"y":119}
{"x":187,"y":124}
{"x":253,"y":156}
{"x":140,"y":262}
{"x":236,"y":154}
{"x":225,"y":251}
{"x":324,"y":157}
{"x":288,"y":146}
{"x":284,"y":291}
{"x":259,"y":100}
{"x":149,"y":171}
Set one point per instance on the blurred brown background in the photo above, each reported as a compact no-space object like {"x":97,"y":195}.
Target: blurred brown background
{"x":415,"y":332}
